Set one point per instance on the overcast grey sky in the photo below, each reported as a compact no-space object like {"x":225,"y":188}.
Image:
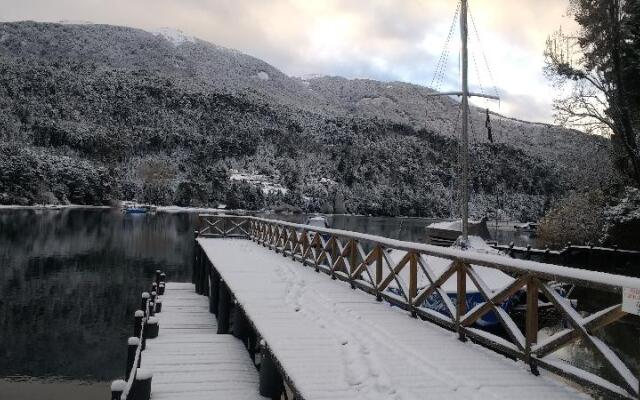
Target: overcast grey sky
{"x":379,"y":39}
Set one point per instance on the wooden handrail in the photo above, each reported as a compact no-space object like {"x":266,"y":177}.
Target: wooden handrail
{"x":340,"y":254}
{"x":592,"y":279}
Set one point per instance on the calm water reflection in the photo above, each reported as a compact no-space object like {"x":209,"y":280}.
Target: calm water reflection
{"x":70,"y":280}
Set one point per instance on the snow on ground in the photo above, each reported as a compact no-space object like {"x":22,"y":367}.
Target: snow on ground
{"x":264,"y":182}
{"x":263,"y":76}
{"x":189,"y":361}
{"x":335,"y":342}
{"x":175,"y":36}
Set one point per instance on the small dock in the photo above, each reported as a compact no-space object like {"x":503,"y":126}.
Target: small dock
{"x":189,"y":361}
{"x":289,"y":311}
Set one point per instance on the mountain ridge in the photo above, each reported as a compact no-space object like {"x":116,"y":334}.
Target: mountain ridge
{"x":120,"y":98}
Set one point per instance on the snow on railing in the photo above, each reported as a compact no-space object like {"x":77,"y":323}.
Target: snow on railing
{"x":458,"y":289}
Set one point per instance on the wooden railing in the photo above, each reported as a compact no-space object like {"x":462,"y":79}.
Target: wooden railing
{"x":366,"y":262}
{"x":224,"y":226}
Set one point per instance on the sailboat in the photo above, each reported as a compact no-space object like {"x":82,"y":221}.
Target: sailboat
{"x":464,"y":234}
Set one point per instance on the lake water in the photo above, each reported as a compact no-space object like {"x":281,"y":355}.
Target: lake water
{"x":70,"y":281}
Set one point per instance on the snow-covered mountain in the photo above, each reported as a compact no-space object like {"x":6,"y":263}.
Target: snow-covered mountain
{"x":142,"y":95}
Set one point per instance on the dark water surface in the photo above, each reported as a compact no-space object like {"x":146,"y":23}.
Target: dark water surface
{"x":70,"y":281}
{"x":69,"y":284}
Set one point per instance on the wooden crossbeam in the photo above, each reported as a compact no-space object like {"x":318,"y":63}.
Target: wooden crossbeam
{"x":507,"y":322}
{"x":563,"y":305}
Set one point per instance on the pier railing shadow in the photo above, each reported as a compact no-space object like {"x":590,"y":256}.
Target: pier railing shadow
{"x":413,"y":276}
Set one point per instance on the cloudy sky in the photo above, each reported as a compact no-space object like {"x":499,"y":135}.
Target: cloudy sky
{"x":379,"y":39}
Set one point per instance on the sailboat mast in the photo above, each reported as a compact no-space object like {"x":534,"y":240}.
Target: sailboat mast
{"x":464,"y":156}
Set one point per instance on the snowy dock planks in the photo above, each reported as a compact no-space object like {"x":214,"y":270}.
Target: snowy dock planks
{"x":189,"y":360}
{"x":337,"y":343}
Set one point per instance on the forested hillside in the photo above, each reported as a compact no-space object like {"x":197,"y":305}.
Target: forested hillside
{"x":91,"y":114}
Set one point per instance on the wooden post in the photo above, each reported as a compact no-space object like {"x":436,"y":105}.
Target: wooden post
{"x":143,"y":302}
{"x":205,"y":277}
{"x":413,"y":282}
{"x":531,"y":322}
{"x":214,"y":291}
{"x":117,"y":387}
{"x":379,"y":251}
{"x":224,"y":305}
{"x":158,"y":306}
{"x":199,"y":268}
{"x":143,"y":346}
{"x":461,"y":299}
{"x":333,"y":252}
{"x":152,"y":328}
{"x":196,"y":255}
{"x":241,"y":326}
{"x":353,"y":259}
{"x":132,"y":347}
{"x":157,"y":280}
{"x":137,"y":322}
{"x":141,"y":388}
{"x":270,"y":379}
{"x":252,"y":344}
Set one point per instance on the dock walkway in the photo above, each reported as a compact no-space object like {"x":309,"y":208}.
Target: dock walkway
{"x":333,"y":342}
{"x":189,"y":361}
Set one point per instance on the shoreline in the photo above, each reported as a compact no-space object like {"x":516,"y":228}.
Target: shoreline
{"x":502,"y":224}
{"x":52,"y":207}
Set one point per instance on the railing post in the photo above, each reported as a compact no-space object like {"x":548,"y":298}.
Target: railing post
{"x":461,"y":299}
{"x":132,"y":348}
{"x":379,"y":251}
{"x":353,"y":257}
{"x":531,"y":322}
{"x":413,"y":282}
{"x":333,"y":252}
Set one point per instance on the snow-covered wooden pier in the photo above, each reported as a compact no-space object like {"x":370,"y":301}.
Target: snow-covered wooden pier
{"x":318,"y":338}
{"x":189,"y":361}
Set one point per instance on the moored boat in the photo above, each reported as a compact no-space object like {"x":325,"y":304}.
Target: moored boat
{"x":529,"y":227}
{"x":494,"y":279}
{"x":138,"y":209}
{"x":447,"y":232}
